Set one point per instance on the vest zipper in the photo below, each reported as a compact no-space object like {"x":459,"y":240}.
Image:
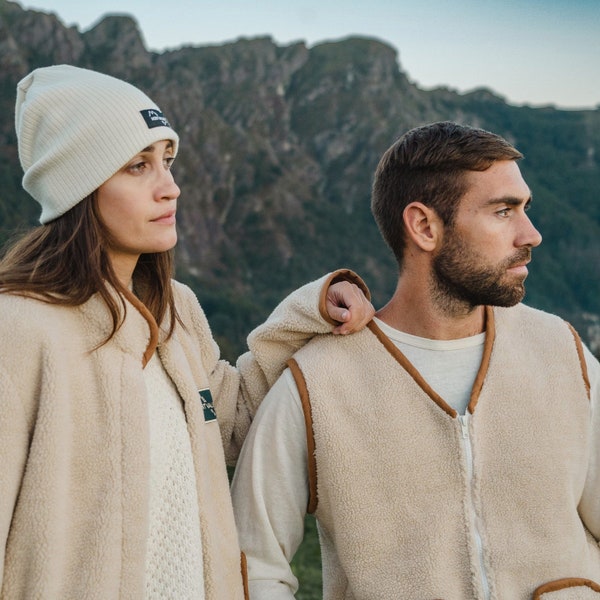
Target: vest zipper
{"x":467,"y":445}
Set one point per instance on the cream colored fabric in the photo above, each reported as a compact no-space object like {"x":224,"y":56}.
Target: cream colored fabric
{"x":448,"y":366}
{"x":75,"y":457}
{"x":76,"y":128}
{"x":406,"y":526}
{"x":174,"y":566}
{"x":269,"y":488}
{"x":397,"y":504}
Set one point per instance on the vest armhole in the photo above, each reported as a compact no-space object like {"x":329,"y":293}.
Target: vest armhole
{"x":310,"y":435}
{"x":582,"y":363}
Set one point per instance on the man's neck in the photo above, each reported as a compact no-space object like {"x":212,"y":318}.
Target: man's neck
{"x":412,"y":310}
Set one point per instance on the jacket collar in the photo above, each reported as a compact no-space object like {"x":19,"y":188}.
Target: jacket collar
{"x":138,"y":335}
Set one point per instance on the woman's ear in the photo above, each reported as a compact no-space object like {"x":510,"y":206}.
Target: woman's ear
{"x":423,"y":226}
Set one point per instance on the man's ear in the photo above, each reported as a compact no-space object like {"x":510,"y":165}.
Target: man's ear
{"x":423,"y":226}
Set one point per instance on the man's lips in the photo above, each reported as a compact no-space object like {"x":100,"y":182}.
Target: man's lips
{"x":520,"y":262}
{"x":520,"y":268}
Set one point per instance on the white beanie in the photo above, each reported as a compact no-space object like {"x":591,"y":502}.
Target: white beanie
{"x":76,"y":128}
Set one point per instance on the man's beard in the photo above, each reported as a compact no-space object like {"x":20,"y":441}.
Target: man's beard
{"x":461,"y":281}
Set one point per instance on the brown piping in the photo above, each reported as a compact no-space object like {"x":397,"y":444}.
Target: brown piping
{"x":244,"y":566}
{"x":490,"y":336}
{"x":143,"y":309}
{"x":410,"y":369}
{"x":562,"y":584}
{"x":582,"y":363}
{"x":310,"y":435}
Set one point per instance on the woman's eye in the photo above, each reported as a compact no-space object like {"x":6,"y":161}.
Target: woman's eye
{"x":137,"y":167}
{"x":169,"y":161}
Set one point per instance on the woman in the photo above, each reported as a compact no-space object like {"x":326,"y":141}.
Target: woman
{"x":112,"y":467}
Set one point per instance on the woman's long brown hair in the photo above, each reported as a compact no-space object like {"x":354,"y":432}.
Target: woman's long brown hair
{"x":65,"y":262}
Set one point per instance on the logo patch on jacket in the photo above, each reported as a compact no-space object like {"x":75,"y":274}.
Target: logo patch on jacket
{"x":207,"y":405}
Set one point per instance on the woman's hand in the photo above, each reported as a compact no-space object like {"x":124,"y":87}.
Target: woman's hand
{"x":347,"y":304}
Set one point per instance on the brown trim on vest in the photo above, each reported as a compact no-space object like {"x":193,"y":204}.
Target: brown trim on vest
{"x":563,"y":584}
{"x":410,"y":369}
{"x":244,"y":567}
{"x":490,"y":336}
{"x":582,"y":362}
{"x":143,"y":310}
{"x":310,"y":435}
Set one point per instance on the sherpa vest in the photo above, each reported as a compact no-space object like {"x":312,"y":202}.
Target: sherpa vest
{"x":416,"y":502}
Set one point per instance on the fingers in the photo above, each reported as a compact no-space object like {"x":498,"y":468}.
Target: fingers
{"x":339,"y":313}
{"x":347,"y":304}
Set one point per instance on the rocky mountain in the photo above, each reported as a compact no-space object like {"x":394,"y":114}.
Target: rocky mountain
{"x":279,"y":144}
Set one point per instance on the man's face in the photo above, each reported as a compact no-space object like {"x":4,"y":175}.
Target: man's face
{"x":483,"y":256}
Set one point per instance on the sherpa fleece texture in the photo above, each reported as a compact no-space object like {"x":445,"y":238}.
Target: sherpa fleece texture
{"x":397,"y":508}
{"x":74,"y":468}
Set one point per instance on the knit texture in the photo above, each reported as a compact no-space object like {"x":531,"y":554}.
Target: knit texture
{"x":174,"y":566}
{"x":76,"y":128}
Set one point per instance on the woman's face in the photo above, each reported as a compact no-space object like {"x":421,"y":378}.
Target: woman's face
{"x":137,"y":205}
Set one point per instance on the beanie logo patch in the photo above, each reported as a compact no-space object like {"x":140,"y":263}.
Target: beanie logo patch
{"x":154,"y":118}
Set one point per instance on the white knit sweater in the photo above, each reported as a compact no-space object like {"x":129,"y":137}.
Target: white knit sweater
{"x":174,"y":566}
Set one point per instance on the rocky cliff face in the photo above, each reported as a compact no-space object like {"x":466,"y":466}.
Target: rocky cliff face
{"x":279,"y":144}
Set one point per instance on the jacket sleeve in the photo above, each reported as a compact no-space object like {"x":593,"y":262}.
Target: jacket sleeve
{"x":238,"y":391}
{"x":589,"y":507}
{"x":270,"y":492}
{"x":14,"y":443}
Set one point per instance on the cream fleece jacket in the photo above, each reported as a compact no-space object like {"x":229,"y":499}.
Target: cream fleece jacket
{"x":405,"y":495}
{"x":74,"y":452}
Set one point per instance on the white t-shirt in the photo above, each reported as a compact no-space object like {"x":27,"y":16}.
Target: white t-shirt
{"x":448,"y":366}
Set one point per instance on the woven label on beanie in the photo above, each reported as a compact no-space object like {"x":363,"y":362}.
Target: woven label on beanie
{"x":154,"y":118}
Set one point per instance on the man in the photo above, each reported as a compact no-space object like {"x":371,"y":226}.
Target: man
{"x":451,"y":449}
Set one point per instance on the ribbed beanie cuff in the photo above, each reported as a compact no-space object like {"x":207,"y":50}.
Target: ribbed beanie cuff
{"x":76,"y":128}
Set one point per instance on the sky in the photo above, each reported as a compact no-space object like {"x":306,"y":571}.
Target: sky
{"x":534,"y":52}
